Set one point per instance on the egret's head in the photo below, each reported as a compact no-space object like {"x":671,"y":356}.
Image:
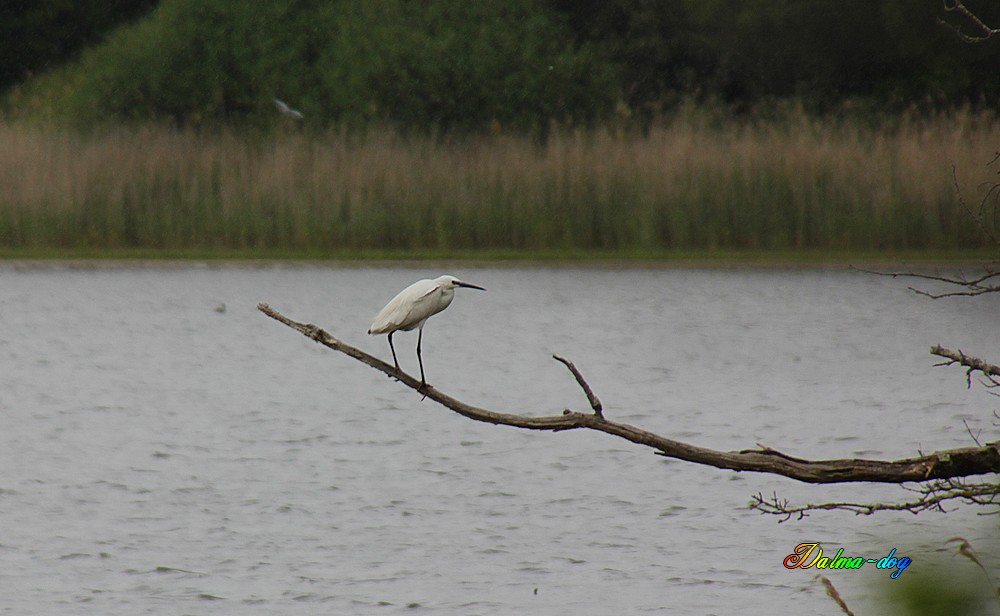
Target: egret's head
{"x":450,"y":282}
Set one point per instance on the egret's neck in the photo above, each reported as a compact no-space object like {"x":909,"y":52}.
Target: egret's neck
{"x":447,"y":294}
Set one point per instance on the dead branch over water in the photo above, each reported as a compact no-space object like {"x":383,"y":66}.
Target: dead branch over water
{"x":932,"y":496}
{"x":947,"y":464}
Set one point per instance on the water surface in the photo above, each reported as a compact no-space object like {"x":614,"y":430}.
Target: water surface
{"x":159,"y":455}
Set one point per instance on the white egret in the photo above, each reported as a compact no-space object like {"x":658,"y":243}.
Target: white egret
{"x":286,"y":110}
{"x":411,"y":308}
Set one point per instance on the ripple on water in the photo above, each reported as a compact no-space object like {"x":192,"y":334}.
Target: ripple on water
{"x":160,"y":457}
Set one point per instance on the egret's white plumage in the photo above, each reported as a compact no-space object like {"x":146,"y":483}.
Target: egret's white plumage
{"x":411,"y":308}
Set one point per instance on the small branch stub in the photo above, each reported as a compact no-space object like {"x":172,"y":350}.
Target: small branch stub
{"x":591,"y":396}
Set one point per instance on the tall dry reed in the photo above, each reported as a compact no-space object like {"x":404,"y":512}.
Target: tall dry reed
{"x":690,"y":184}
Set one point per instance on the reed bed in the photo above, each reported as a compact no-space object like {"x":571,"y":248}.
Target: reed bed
{"x":691,"y":184}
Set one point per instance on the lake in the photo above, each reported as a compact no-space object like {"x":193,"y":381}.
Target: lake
{"x":161,"y":454}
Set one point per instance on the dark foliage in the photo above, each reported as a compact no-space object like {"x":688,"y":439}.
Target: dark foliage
{"x":36,"y":35}
{"x":520,"y":64}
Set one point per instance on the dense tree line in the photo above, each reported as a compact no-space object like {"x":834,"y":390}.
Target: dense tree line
{"x":36,"y":35}
{"x":824,"y":52}
{"x":453,"y":64}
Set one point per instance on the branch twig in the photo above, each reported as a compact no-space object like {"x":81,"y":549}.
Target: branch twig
{"x":950,"y":463}
{"x":977,"y":217}
{"x":988,"y":370}
{"x":932,"y":496}
{"x":594,"y":402}
{"x":973,"y":286}
{"x":957,"y":6}
{"x":975,"y":437}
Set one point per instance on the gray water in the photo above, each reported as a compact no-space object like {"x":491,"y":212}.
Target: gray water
{"x":158,"y":456}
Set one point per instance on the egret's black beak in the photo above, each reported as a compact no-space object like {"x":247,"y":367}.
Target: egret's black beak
{"x":459,"y":283}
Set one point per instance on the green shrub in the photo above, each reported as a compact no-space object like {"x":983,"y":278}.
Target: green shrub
{"x":442,"y":66}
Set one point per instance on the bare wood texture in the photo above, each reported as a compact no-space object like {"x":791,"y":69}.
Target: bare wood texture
{"x":591,"y":397}
{"x":990,"y":372}
{"x":970,"y":362}
{"x":938,"y":465}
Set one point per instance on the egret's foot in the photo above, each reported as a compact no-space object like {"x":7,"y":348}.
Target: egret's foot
{"x":424,"y":388}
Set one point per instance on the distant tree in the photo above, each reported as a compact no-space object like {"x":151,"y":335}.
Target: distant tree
{"x":881,"y":56}
{"x":413,"y":64}
{"x":517,"y":65}
{"x":654,"y":42}
{"x":37,"y":35}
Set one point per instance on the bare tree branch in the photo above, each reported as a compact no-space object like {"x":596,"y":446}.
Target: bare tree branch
{"x":971,"y":293}
{"x":943,"y":464}
{"x":984,"y":32}
{"x":932,"y":496}
{"x":594,"y":402}
{"x":974,"y":364}
{"x":974,"y":437}
{"x":988,"y":282}
{"x":980,"y":216}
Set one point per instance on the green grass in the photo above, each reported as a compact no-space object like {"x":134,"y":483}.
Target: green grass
{"x":792,"y":189}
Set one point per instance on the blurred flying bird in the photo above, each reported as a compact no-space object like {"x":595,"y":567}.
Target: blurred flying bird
{"x":286,"y":110}
{"x":411,"y":308}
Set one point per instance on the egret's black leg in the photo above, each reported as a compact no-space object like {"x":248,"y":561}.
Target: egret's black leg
{"x":420,"y":359}
{"x":394,"y":360}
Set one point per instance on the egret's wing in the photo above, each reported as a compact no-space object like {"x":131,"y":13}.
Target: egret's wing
{"x":427,"y":304}
{"x":412,"y":305}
